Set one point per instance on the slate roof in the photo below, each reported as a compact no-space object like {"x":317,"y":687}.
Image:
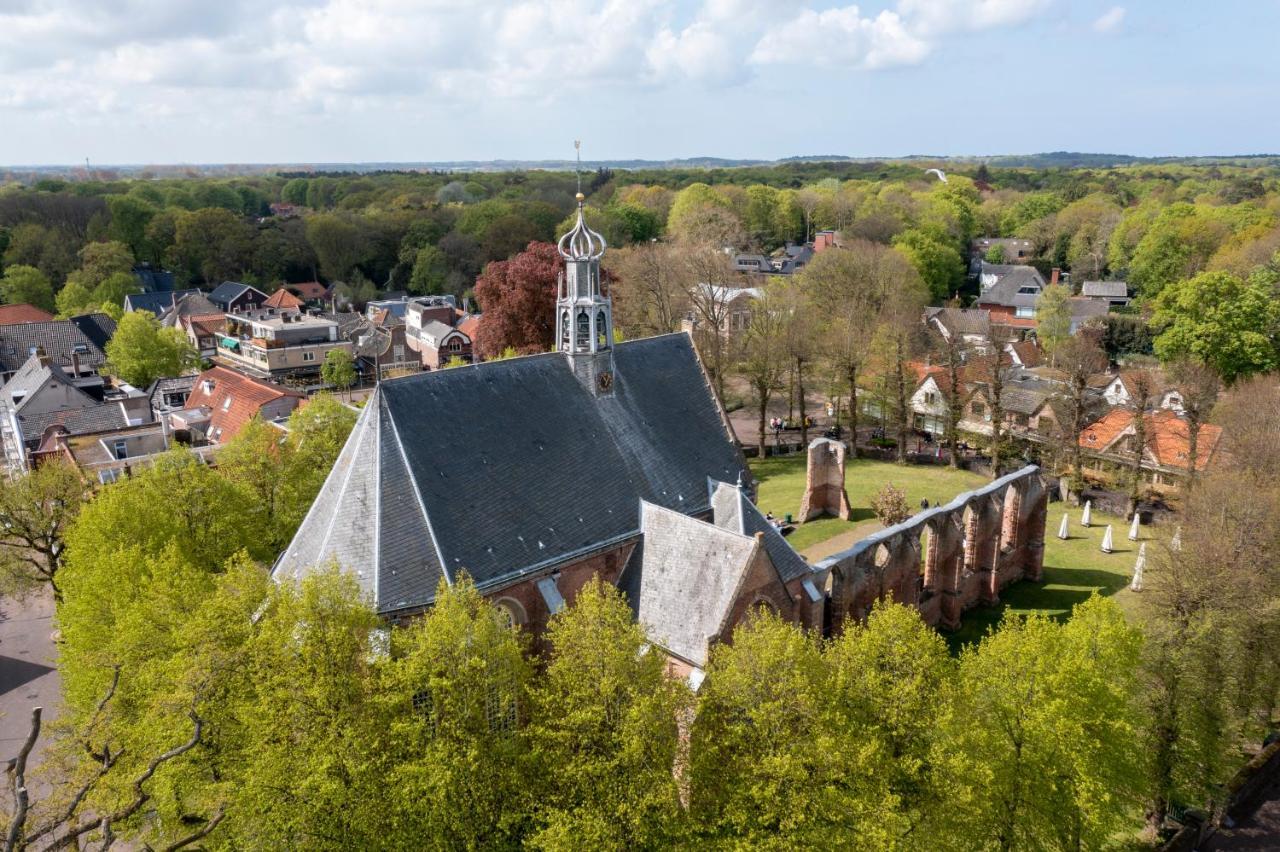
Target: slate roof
{"x":734,"y":511}
{"x":169,"y":384}
{"x":153,"y":280}
{"x":99,"y":417}
{"x":228,"y":291}
{"x":83,"y":414}
{"x":690,"y":576}
{"x":1005,"y":291}
{"x":962,"y":321}
{"x":10,"y":314}
{"x":1105,"y":289}
{"x":506,"y":468}
{"x":59,"y":339}
{"x":433,"y":333}
{"x":157,"y":302}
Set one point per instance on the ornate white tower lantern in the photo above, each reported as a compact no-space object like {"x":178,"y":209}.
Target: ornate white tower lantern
{"x":584,"y":310}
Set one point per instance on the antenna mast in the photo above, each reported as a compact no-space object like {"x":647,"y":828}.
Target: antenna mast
{"x":577,"y":150}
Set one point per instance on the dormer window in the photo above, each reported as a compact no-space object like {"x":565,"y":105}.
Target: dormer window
{"x":226,"y":404}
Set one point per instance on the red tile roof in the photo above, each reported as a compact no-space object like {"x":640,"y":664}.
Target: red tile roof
{"x":1168,"y":438}
{"x":309,"y":289}
{"x":282,"y":298}
{"x":247,"y":398}
{"x":13,"y":314}
{"x":207,"y":323}
{"x":469,"y":326}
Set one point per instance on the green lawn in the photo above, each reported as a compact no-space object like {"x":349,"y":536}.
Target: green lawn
{"x":1073,"y":569}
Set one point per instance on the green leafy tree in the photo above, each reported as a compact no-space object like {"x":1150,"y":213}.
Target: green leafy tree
{"x":35,"y":512}
{"x":295,"y":191}
{"x":114,"y":288}
{"x":338,"y":369}
{"x":995,"y":254}
{"x":26,"y":285}
{"x":317,"y":433}
{"x":142,"y":350}
{"x":454,"y":692}
{"x":939,"y":264}
{"x":430,"y":271}
{"x":889,"y":505}
{"x":258,"y":461}
{"x":100,"y":261}
{"x":603,"y":731}
{"x":130,"y":217}
{"x":1229,"y":323}
{"x":1178,"y":244}
{"x":1053,"y":317}
{"x":74,"y":299}
{"x":212,"y":244}
{"x":751,"y":782}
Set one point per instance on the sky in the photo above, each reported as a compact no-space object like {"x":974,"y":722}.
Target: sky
{"x":328,"y":81}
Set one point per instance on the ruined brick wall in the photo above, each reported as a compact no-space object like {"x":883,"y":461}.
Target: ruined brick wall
{"x":824,"y":492}
{"x":950,"y":558}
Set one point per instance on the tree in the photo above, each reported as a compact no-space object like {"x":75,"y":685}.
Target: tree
{"x":703,"y":216}
{"x":889,"y":505}
{"x":995,"y":254}
{"x":1053,"y":318}
{"x":712,"y":294}
{"x":26,"y":285}
{"x":799,"y":342}
{"x":142,"y":350}
{"x":455,"y":693}
{"x":1230,"y":324}
{"x":1198,"y":385}
{"x":1079,"y":358}
{"x":338,"y":369}
{"x":99,"y":261}
{"x":939,"y":264}
{"x":1178,"y":245}
{"x":212,"y":244}
{"x":517,"y":298}
{"x":430,"y":270}
{"x":1043,"y":734}
{"x":258,"y":460}
{"x":989,"y":370}
{"x":129,"y":219}
{"x":113,"y":289}
{"x":74,"y":299}
{"x":650,"y":288}
{"x":850,"y":288}
{"x":35,"y":512}
{"x":603,"y":731}
{"x":1143,"y":391}
{"x":317,"y":433}
{"x":764,"y":356}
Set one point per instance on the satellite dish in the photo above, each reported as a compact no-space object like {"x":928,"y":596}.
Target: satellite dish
{"x":941,"y":175}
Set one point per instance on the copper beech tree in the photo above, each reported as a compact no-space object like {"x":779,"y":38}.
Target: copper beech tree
{"x":518,"y":300}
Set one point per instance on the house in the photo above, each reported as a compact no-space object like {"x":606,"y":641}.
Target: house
{"x":109,"y":455}
{"x":283,"y":300}
{"x":970,"y":326}
{"x":730,"y":306}
{"x":1026,"y":403}
{"x":1167,"y":444}
{"x":1114,"y":293}
{"x":168,"y":395}
{"x":14,"y":314}
{"x":438,"y":343}
{"x":1015,"y":250}
{"x":1023,"y":353}
{"x":532,"y":475}
{"x":930,"y":402}
{"x":1012,"y":295}
{"x":232,"y":297}
{"x":387,"y":311}
{"x":824,"y":240}
{"x":990,"y":274}
{"x":153,"y":280}
{"x":41,"y":395}
{"x":277,"y":344}
{"x":311,"y":292}
{"x":384,"y":352}
{"x":75,"y":346}
{"x":752,"y":263}
{"x":156,"y":302}
{"x":223,"y":401}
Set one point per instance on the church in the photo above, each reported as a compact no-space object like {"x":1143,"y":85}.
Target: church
{"x":533,"y":474}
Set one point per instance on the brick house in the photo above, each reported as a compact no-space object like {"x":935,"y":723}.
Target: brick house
{"x":223,"y":401}
{"x":534,"y":474}
{"x":1166,"y":450}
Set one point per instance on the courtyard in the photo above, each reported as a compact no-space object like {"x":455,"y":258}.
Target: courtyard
{"x":1073,"y":569}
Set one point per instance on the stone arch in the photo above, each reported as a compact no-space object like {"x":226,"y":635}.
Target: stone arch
{"x":510,"y":613}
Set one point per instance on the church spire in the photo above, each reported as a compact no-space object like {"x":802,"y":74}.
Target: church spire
{"x":584,"y":311}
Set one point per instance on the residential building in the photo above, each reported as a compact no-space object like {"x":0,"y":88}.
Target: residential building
{"x":283,"y":300}
{"x":1016,"y":250}
{"x":168,"y":395}
{"x":730,"y":307}
{"x":157,"y":302}
{"x":282,"y":345}
{"x":597,"y":460}
{"x":1014,"y":297}
{"x":232,"y":297}
{"x":312,"y":292}
{"x":1114,"y":293}
{"x":971,"y":327}
{"x":438,"y":343}
{"x":75,"y":346}
{"x":41,"y":395}
{"x":1167,"y":445}
{"x":384,"y":352}
{"x":824,"y":240}
{"x":223,"y":401}
{"x":990,"y":274}
{"x":152,"y":279}
{"x":14,"y":314}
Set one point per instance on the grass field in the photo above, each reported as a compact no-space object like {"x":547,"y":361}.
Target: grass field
{"x":1073,"y":569}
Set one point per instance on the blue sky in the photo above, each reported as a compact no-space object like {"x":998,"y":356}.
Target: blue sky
{"x":165,"y":81}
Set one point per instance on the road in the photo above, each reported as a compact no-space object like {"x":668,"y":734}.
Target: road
{"x":27,"y":674}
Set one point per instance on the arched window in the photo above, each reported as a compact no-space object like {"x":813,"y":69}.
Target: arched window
{"x":510,"y":613}
{"x":584,"y":332}
{"x":564,"y":330}
{"x":602,"y":331}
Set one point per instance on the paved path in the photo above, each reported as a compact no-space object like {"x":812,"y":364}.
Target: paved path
{"x":1260,"y":831}
{"x":843,"y":541}
{"x":27,"y":674}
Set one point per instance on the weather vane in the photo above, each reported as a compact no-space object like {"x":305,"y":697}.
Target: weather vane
{"x":577,"y":150}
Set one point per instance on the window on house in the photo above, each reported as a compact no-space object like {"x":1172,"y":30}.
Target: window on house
{"x":308,"y":356}
{"x":930,"y":398}
{"x":455,"y":345}
{"x":121,"y":449}
{"x":397,"y":353}
{"x":1025,"y":313}
{"x":978,"y":408}
{"x":226,"y":403}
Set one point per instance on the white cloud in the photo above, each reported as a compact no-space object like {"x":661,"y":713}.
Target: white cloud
{"x":1110,"y":20}
{"x":272,"y":57}
{"x":842,"y":38}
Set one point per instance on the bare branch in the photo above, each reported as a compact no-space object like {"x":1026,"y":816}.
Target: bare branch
{"x":18,"y":769}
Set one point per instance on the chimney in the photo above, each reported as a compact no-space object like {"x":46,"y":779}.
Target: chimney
{"x":1054,"y":277}
{"x":75,"y":364}
{"x":45,"y":360}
